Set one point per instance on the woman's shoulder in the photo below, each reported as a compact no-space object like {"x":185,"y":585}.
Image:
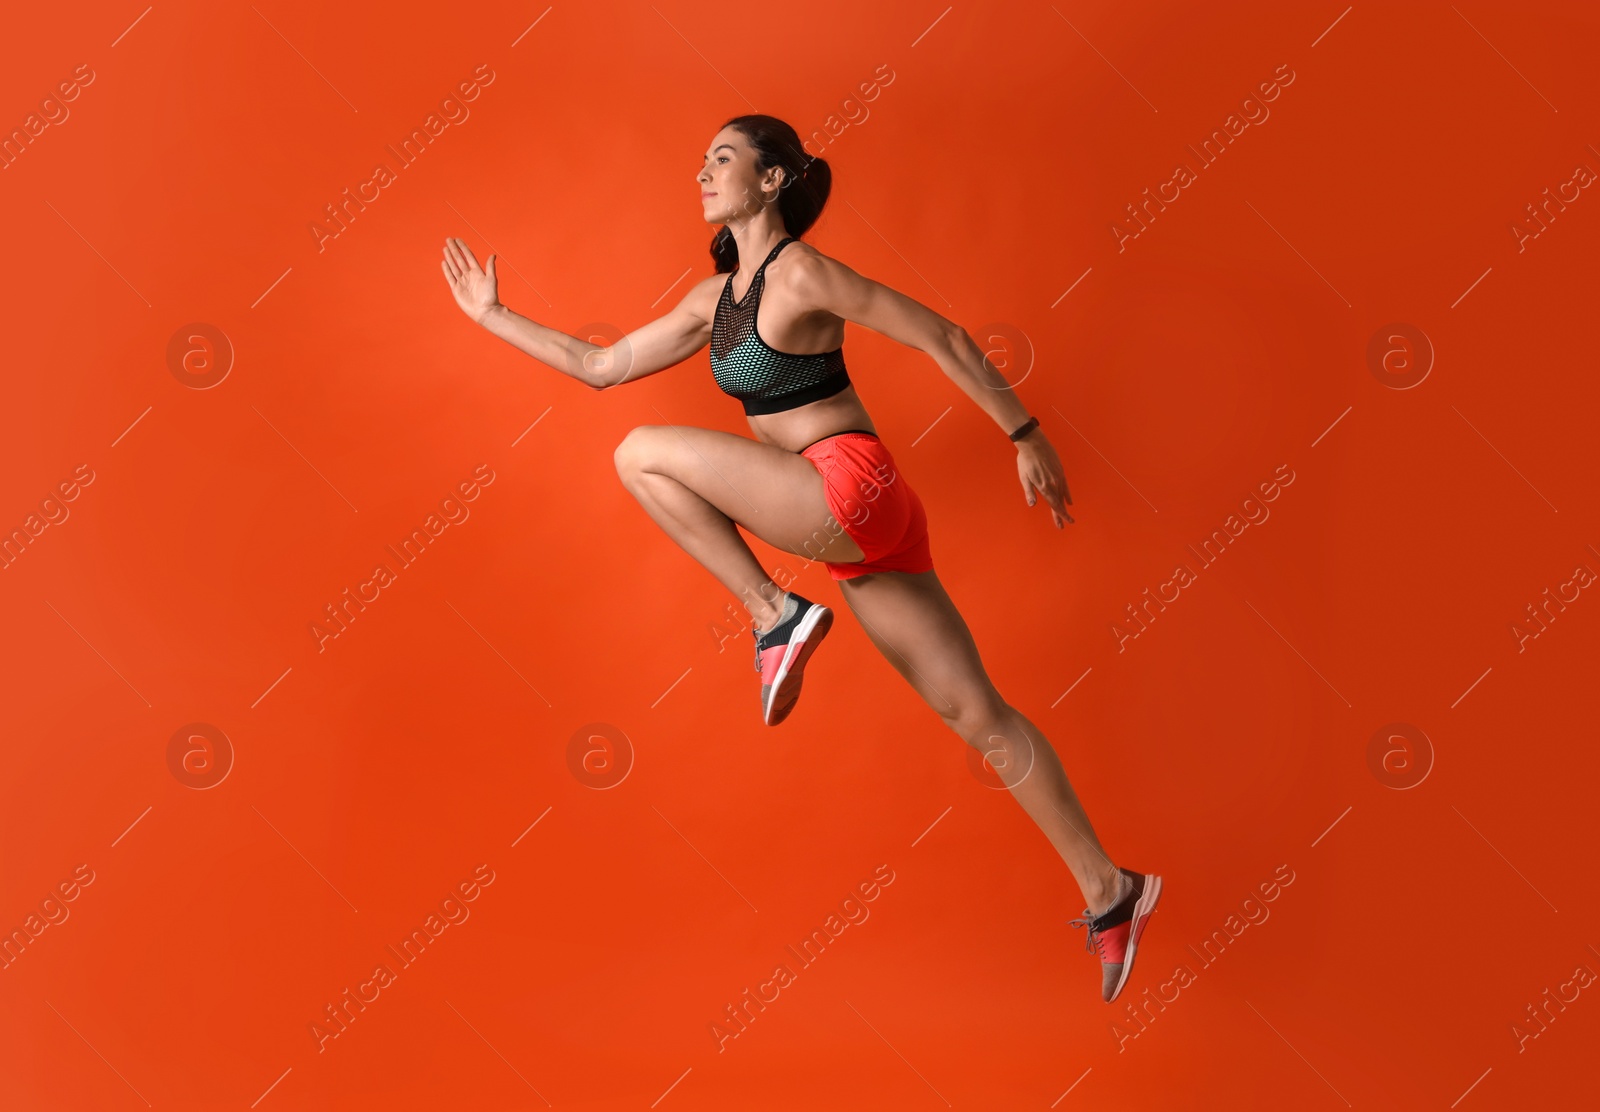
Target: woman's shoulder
{"x":799,"y":249}
{"x":800,"y":270}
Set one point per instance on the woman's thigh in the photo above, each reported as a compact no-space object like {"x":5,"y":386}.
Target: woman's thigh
{"x":773,"y":494}
{"x":916,"y":626}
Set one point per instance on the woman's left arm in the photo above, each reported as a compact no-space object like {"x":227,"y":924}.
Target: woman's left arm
{"x":831,"y":285}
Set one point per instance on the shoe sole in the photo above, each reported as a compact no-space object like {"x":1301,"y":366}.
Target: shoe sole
{"x":809,"y":633}
{"x":1141,"y":919}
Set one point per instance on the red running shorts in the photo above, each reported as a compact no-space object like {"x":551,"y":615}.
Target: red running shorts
{"x":873,"y":502}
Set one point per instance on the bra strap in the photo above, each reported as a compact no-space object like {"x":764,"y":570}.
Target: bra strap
{"x":772,"y":254}
{"x":727,"y":287}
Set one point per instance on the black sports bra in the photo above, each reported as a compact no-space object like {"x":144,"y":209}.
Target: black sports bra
{"x":766,"y":380}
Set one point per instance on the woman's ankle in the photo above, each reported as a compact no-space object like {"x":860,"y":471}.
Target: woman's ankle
{"x":771,"y":614}
{"x":1113,"y":886}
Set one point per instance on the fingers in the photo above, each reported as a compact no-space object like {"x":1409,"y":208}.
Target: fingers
{"x":1053,"y":485}
{"x":1058,"y":509}
{"x":452,"y":270}
{"x":462,"y":262}
{"x":1062,"y":499}
{"x":1050,"y":500}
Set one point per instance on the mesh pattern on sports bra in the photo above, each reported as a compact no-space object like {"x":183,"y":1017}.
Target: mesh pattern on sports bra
{"x":767,"y":381}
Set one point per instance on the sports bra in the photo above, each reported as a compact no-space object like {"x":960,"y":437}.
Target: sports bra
{"x":766,"y":380}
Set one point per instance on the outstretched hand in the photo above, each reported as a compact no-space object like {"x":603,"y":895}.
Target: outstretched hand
{"x":476,"y":290}
{"x":1040,"y":470}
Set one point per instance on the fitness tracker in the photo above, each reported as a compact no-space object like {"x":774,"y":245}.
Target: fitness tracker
{"x":1031,"y":424}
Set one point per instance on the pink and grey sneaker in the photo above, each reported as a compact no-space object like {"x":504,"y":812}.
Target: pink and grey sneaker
{"x":782,"y":652}
{"x":1115,"y":932}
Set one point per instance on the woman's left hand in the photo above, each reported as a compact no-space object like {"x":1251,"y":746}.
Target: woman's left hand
{"x":1040,"y":470}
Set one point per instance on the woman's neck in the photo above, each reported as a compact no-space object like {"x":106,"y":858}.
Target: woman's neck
{"x":755,"y":244}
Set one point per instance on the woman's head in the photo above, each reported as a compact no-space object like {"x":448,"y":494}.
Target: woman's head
{"x":754,"y":163}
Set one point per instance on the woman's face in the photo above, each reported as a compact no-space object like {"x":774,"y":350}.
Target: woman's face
{"x":730,"y":185}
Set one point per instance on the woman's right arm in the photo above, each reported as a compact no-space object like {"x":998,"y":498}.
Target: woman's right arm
{"x":664,"y":342}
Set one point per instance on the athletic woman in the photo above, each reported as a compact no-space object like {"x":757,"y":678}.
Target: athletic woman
{"x":818,"y":482}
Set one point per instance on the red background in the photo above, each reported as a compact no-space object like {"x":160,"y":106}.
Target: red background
{"x":370,"y":777}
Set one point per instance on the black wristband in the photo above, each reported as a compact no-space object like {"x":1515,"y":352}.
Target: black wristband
{"x":1031,"y":424}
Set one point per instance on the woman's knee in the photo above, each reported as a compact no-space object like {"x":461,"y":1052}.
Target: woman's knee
{"x":635,"y":451}
{"x":977,"y":719}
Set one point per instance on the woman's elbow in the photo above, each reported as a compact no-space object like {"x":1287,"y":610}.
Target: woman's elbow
{"x":950,"y":339}
{"x":600,"y":368}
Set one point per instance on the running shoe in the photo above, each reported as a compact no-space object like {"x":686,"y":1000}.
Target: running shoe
{"x":1114,"y":933}
{"x":781,"y":655}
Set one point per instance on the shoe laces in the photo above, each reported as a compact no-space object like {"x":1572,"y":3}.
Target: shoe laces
{"x":758,"y":634}
{"x":1094,"y":943}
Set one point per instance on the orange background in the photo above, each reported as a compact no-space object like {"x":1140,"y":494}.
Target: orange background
{"x":370,"y":777}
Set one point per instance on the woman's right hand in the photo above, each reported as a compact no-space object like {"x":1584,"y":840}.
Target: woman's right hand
{"x":476,"y":290}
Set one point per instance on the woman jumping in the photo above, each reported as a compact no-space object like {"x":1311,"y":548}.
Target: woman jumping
{"x":818,"y":482}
